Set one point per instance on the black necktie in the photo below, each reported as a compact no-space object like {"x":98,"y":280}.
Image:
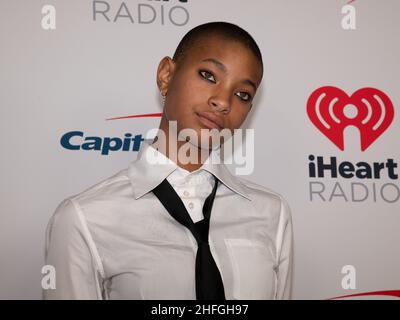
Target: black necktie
{"x":209,"y":284}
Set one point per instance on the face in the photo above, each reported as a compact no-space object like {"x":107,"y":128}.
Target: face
{"x":212,"y":87}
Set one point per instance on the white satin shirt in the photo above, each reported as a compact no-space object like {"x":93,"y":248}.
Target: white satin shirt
{"x":115,"y":240}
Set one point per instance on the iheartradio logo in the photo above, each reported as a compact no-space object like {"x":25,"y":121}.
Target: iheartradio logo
{"x":331,"y":110}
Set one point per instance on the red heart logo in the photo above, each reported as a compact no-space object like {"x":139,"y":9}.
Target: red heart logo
{"x":331,"y":110}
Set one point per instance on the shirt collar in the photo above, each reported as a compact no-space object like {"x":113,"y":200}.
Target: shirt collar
{"x":180,"y":177}
{"x":145,"y":176}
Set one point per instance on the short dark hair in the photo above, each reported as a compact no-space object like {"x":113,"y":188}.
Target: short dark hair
{"x":226,"y":30}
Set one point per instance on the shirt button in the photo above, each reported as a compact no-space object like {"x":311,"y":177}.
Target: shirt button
{"x":185,"y":193}
{"x":191,"y":205}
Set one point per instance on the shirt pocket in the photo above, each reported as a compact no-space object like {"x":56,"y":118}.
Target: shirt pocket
{"x":254,"y":269}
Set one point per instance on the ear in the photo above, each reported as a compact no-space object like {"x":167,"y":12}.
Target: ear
{"x":165,"y":72}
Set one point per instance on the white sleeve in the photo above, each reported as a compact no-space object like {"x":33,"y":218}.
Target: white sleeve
{"x":284,"y":253}
{"x":71,"y":251}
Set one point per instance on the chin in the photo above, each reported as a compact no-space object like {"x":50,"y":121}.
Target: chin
{"x":211,"y":144}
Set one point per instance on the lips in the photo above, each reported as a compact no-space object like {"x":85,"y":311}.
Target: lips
{"x":210,"y":120}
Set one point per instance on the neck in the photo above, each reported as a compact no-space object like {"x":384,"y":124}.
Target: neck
{"x":170,"y":148}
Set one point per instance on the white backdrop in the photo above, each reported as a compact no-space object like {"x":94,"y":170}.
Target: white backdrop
{"x":89,"y":69}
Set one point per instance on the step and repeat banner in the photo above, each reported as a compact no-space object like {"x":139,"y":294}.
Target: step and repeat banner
{"x":326,"y":123}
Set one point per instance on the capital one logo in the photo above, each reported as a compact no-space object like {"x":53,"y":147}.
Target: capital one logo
{"x":331,"y":111}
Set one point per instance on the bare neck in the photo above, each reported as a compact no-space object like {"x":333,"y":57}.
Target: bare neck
{"x":172,"y":146}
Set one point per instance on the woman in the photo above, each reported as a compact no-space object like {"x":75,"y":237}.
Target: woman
{"x":232,"y":239}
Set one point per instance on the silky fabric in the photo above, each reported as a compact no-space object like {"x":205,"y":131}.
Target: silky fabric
{"x":209,"y":285}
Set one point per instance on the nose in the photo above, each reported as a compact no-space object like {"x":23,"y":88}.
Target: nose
{"x":220,"y":102}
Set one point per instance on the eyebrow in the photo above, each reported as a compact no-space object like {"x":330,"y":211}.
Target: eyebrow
{"x":222,"y":67}
{"x":218,"y":64}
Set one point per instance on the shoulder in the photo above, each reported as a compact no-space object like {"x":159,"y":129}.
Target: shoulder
{"x":264,"y":197}
{"x":108,"y":188}
{"x":95,"y":197}
{"x":258,"y":191}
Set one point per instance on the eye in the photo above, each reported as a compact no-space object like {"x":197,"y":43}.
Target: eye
{"x":207,"y":75}
{"x":244,"y":96}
